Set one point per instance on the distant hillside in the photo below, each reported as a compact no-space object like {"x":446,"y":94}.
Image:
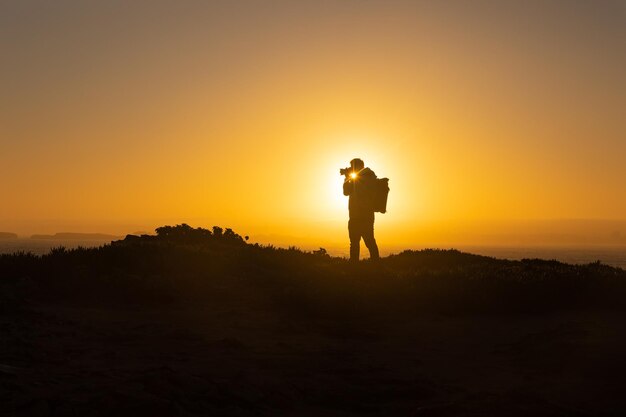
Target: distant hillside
{"x":77,"y":236}
{"x":8,"y":235}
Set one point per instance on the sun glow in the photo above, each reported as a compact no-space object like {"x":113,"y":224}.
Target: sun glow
{"x":322,"y":200}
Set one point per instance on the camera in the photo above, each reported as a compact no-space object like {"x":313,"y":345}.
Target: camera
{"x":345,"y":171}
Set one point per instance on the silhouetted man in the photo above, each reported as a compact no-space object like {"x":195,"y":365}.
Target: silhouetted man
{"x":359,"y":185}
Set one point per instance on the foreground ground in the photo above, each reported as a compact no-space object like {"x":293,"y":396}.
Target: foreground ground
{"x":159,"y":328}
{"x":220,"y":361}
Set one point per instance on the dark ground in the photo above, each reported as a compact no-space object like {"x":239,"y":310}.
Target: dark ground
{"x":214,"y":361}
{"x":237,"y":345}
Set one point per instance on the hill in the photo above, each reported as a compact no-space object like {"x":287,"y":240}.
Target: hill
{"x":8,"y":235}
{"x":199,"y":322}
{"x":76,"y":236}
{"x":182,"y":263}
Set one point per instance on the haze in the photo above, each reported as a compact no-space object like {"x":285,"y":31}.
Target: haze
{"x":487,"y":116}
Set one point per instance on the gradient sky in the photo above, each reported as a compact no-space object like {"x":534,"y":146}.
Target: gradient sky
{"x":119,"y":116}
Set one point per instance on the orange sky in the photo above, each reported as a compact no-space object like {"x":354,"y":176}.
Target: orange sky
{"x":124,"y":116}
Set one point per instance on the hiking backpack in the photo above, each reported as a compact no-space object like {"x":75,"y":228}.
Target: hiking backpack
{"x":380,"y":193}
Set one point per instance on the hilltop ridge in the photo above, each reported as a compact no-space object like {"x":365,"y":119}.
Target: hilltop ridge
{"x":181,"y":262}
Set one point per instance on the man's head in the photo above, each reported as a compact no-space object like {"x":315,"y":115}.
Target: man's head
{"x":357,"y":164}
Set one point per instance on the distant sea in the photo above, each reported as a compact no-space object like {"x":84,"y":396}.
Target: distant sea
{"x":610,"y":255}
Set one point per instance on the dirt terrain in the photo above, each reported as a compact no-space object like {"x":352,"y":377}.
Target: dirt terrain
{"x":243,"y":362}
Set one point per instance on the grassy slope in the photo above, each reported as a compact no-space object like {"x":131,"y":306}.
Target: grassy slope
{"x":164,"y":269}
{"x":201,"y":323}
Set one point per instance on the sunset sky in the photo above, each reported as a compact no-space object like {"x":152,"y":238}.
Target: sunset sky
{"x":487,"y":116}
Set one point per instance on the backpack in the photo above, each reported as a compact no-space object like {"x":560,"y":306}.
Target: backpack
{"x":380,"y":191}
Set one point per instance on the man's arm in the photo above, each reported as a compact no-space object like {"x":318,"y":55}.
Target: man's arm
{"x":348,"y":186}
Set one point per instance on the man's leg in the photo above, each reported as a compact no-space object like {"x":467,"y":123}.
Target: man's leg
{"x":370,"y":241}
{"x":354,"y":230}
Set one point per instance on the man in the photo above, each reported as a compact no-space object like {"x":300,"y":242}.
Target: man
{"x":359,"y":185}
